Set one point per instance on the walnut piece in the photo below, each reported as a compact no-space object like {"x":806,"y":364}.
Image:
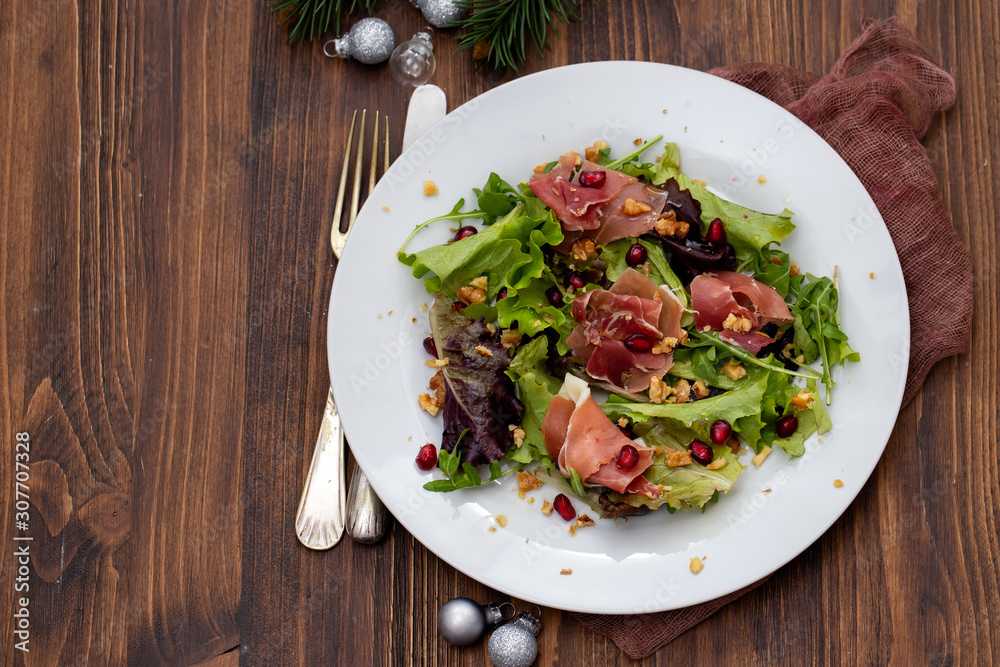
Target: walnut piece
{"x":485,"y":351}
{"x":469,"y":295}
{"x":430,"y":188}
{"x":566,"y":570}
{"x":802,"y":399}
{"x":437,"y":384}
{"x":759,"y":459}
{"x":700,"y":390}
{"x":734,"y":322}
{"x":540,"y":169}
{"x":716,"y":464}
{"x":696,"y":565}
{"x":583,"y":249}
{"x":584,"y":520}
{"x":501,"y":520}
{"x":527,"y":481}
{"x":518,"y":433}
{"x":665,"y":345}
{"x":658,"y":390}
{"x":669,"y":225}
{"x":633,"y":207}
{"x":436,"y":363}
{"x":678,"y":459}
{"x":837,"y":483}
{"x":593,"y":153}
{"x":682,"y":392}
{"x":511,"y":338}
{"x":794,"y":269}
{"x":482,"y":282}
{"x":429,"y":404}
{"x":546,"y":508}
{"x":734,"y":371}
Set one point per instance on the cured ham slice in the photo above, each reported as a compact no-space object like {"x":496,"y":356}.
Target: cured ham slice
{"x":616,"y":224}
{"x":575,"y":205}
{"x":634,"y":306}
{"x":580,"y":437}
{"x":716,"y":294}
{"x":751,"y":341}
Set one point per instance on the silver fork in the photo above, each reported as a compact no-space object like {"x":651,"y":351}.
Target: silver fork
{"x":319,"y":521}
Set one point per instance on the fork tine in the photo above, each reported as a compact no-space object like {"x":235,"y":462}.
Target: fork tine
{"x":385,"y":161}
{"x":358,"y":164}
{"x":372,"y":176}
{"x":341,"y":191}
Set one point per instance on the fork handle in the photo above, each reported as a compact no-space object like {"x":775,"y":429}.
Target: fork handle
{"x":319,"y":522}
{"x":366,"y":515}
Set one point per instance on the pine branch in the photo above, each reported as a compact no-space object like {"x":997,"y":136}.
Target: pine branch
{"x":504,"y":26}
{"x":311,"y":19}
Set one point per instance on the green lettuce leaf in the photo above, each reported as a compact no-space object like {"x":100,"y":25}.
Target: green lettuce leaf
{"x":536,"y":387}
{"x":749,"y":231}
{"x":659,"y":268}
{"x":813,"y":419}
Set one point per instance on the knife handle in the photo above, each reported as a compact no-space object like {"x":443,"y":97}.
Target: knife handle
{"x":366,"y":515}
{"x":319,"y":521}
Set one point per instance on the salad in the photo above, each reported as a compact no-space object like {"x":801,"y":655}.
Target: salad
{"x":613,"y":328}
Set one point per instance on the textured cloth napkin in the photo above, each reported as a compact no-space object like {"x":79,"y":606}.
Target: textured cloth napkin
{"x":873,"y":108}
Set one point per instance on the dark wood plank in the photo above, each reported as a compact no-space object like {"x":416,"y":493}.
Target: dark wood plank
{"x":168,"y":174}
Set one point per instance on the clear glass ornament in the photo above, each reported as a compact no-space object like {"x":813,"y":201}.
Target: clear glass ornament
{"x":412,"y":63}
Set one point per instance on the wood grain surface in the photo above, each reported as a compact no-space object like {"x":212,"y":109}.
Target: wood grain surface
{"x":167,"y":177}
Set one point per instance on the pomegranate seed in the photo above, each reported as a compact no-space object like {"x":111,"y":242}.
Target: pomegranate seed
{"x":787,"y":425}
{"x":554,"y":296}
{"x":458,"y":306}
{"x":564,"y":507}
{"x":427,"y":457}
{"x":627,"y":432}
{"x":628,"y":457}
{"x":576,"y":280}
{"x":502,"y":294}
{"x":716,"y":233}
{"x":429,"y":347}
{"x":465,"y":232}
{"x":720,"y":431}
{"x":592,"y":179}
{"x":636,"y":255}
{"x":639,"y":343}
{"x":701,"y":452}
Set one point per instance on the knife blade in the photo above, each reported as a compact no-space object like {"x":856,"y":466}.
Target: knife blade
{"x":366,"y":515}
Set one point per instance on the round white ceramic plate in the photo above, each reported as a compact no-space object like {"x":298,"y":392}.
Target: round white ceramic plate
{"x":747,"y":149}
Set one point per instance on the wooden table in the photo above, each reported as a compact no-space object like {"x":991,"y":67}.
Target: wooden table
{"x":168,"y":176}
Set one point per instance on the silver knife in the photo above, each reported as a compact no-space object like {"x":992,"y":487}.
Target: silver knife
{"x":366,"y":515}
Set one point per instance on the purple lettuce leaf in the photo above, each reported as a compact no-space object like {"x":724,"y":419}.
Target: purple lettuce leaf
{"x":479,"y":397}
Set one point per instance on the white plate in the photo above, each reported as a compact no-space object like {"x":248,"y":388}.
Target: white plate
{"x":728,"y":137}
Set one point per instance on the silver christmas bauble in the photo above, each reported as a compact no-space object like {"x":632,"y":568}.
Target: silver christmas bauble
{"x":514,"y":644}
{"x":461,"y":621}
{"x":369,"y":41}
{"x":440,"y":13}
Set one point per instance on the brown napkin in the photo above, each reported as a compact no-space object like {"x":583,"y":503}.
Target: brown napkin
{"x":873,"y":108}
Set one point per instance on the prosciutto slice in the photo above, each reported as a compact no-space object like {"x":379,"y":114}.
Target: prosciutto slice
{"x":751,"y":341}
{"x":575,"y":205}
{"x":614,"y":224}
{"x":607,"y":318}
{"x":716,"y":294}
{"x":580,"y":437}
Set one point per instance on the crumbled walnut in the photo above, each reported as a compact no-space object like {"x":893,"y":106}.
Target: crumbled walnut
{"x":485,"y":351}
{"x":658,"y":390}
{"x":576,"y":158}
{"x":572,"y":529}
{"x":430,"y":188}
{"x":429,"y":404}
{"x":633,"y":207}
{"x":645,"y":269}
{"x":657,"y":296}
{"x":734,"y":371}
{"x":776,"y":260}
{"x":546,"y":508}
{"x":872,"y":275}
{"x":437,"y":385}
{"x":492,"y":529}
{"x":762,"y":179}
{"x":734,"y":322}
{"x":699,"y":182}
{"x":678,"y":459}
{"x":696,"y":565}
{"x":583,"y":249}
{"x":482,"y":282}
{"x":501,"y":520}
{"x":423,"y":306}
{"x":622,"y":422}
{"x":492,"y":328}
{"x":518,"y":436}
{"x":527,"y":481}
{"x":759,"y":459}
{"x":802,"y":399}
{"x":700,"y":390}
{"x":436,"y":363}
{"x":584,"y":520}
{"x":530,"y":501}
{"x":469,"y":295}
{"x":837,"y":483}
{"x":540,"y":169}
{"x":637,"y":142}
{"x":593,"y":153}
{"x":682,"y":391}
{"x":668,"y":225}
{"x":511,"y":338}
{"x":665,"y":345}
{"x":385,"y":208}
{"x":566,"y":570}
{"x":716,"y":464}
{"x":794,"y":269}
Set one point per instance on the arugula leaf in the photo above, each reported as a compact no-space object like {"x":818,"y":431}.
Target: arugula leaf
{"x":686,"y":487}
{"x":712,"y":338}
{"x":448,"y":463}
{"x":617,"y":164}
{"x":536,"y":387}
{"x":749,"y":231}
{"x":705,"y":370}
{"x":659,"y":268}
{"x":774,"y":270}
{"x":497,"y":198}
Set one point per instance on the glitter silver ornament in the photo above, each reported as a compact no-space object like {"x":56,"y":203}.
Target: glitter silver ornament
{"x":514,"y":644}
{"x":413,"y":63}
{"x":461,"y":621}
{"x":369,"y":41}
{"x":439,"y":13}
